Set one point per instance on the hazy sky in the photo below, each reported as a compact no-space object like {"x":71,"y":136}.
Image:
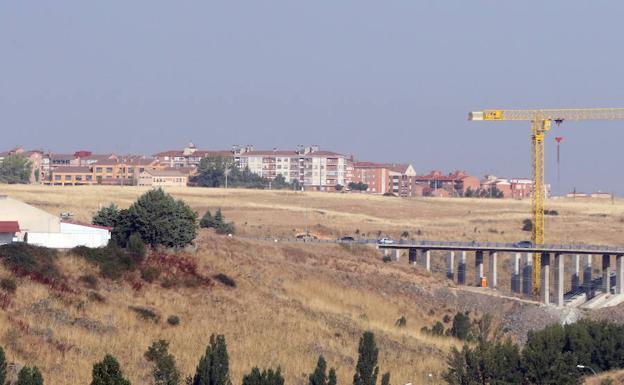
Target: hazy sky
{"x":383,"y":80}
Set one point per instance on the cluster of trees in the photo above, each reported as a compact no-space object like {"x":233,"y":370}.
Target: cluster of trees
{"x":462,"y":327}
{"x":15,"y":168}
{"x":213,"y":172}
{"x":217,"y":222}
{"x":156,"y":218}
{"x":491,"y":192}
{"x":550,"y":356}
{"x":214,"y":369}
{"x":357,"y":186}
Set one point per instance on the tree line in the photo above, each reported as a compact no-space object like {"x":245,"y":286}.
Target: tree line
{"x":213,"y":368}
{"x":551,"y":356}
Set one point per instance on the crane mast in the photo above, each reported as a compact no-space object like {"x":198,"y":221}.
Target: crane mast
{"x":541,"y":120}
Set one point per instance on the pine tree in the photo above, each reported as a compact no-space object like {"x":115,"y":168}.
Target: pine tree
{"x":108,"y":372}
{"x":218,"y":218}
{"x":29,"y":376}
{"x":207,"y":221}
{"x":367,"y":370}
{"x":106,"y":216}
{"x":165,"y":371}
{"x":318,"y":377}
{"x":213,"y":367}
{"x":385,"y":379}
{"x":266,"y":377}
{"x":331,"y":378}
{"x":3,"y":367}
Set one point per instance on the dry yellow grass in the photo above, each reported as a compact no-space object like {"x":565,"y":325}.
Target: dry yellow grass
{"x":292,"y":302}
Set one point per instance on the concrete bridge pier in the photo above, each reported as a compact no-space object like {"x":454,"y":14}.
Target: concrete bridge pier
{"x":545,"y":279}
{"x":450,"y":263}
{"x":412,"y":256}
{"x":492,"y":273}
{"x":606,"y":273}
{"x":461,"y":269}
{"x":619,"y":274}
{"x":527,"y":279}
{"x":515,"y":276}
{"x":428,"y":260}
{"x":478,"y":266}
{"x":576,"y":264}
{"x":587,"y":277}
{"x":559,"y":280}
{"x":397,"y":255}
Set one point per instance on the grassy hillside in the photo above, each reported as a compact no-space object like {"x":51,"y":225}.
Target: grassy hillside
{"x":291,"y":302}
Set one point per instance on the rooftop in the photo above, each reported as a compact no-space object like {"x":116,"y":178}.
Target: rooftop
{"x":9,"y":227}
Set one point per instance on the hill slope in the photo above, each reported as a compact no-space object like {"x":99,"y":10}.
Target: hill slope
{"x":291,"y":302}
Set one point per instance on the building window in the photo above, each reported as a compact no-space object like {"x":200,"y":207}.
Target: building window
{"x":67,"y":177}
{"x":98,"y":169}
{"x":109,"y":169}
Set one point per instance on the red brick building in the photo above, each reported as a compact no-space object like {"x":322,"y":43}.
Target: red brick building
{"x":455,"y":184}
{"x":381,"y":178}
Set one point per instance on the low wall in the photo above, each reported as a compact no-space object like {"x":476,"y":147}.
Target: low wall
{"x":66,"y":240}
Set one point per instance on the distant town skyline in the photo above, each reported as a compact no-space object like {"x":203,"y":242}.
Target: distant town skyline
{"x":389,"y":82}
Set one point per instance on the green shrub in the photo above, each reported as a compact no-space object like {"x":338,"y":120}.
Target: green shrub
{"x":226,"y":280}
{"x":461,"y":327}
{"x":136,"y":248}
{"x":438,"y":329}
{"x":150,"y":274}
{"x":207,"y":221}
{"x":112,"y":260}
{"x":9,"y":285}
{"x":401,"y":322}
{"x":25,"y":259}
{"x":145,"y":313}
{"x":89,"y":280}
{"x":173,"y":320}
{"x":387,"y":258}
{"x":96,"y":297}
{"x":527,"y":225}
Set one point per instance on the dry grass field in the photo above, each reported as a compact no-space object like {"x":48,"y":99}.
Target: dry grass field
{"x":292,"y":302}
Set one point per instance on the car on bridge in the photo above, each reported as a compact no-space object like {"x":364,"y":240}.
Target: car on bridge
{"x":525,"y":244}
{"x":385,"y":241}
{"x":346,"y":238}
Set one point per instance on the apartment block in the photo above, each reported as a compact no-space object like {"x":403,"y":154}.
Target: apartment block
{"x":190,"y":156}
{"x":312,"y":168}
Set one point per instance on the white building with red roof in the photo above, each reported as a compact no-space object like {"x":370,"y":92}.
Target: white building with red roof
{"x":25,"y":223}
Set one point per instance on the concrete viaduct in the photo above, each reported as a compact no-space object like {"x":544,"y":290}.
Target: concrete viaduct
{"x":521,"y":281}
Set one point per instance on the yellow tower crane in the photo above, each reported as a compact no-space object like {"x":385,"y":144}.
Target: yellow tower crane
{"x":541,"y":121}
